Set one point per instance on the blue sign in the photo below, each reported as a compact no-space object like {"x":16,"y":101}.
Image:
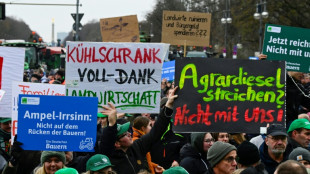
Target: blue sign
{"x":57,"y":123}
{"x":168,"y":70}
{"x":253,"y":58}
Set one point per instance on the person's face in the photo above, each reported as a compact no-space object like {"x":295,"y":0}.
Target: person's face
{"x":125,"y":140}
{"x":303,"y":138}
{"x":103,"y":121}
{"x":208,"y":142}
{"x":6,"y":126}
{"x":106,"y":170}
{"x":223,"y":136}
{"x":228,"y":164}
{"x":34,"y":80}
{"x":52,"y":165}
{"x":58,"y":77}
{"x":148,"y":128}
{"x":51,"y":77}
{"x":276,"y":144}
{"x":69,"y":156}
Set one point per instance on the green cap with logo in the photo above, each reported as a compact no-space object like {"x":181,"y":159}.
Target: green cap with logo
{"x":122,"y":128}
{"x":98,"y":162}
{"x":175,"y":170}
{"x":3,"y":120}
{"x":67,"y":171}
{"x":101,"y":115}
{"x":299,"y":123}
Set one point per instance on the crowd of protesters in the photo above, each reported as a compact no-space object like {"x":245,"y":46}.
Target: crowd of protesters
{"x":146,"y":144}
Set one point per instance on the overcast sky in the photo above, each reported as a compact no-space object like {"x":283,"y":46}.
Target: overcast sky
{"x":39,"y":18}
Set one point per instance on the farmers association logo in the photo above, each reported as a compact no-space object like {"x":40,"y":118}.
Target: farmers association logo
{"x":274,"y":29}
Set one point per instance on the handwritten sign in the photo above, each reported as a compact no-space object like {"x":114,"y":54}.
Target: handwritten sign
{"x":126,"y":74}
{"x":190,"y":28}
{"x":291,"y":44}
{"x":57,"y":123}
{"x":238,"y":96}
{"x":11,"y":69}
{"x":31,"y":89}
{"x":120,"y":29}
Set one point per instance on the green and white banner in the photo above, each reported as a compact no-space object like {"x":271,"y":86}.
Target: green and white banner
{"x":291,"y":44}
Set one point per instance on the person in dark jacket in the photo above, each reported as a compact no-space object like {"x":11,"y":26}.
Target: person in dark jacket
{"x":116,"y":142}
{"x":194,"y":156}
{"x":273,"y":150}
{"x":299,"y":134}
{"x":295,"y":96}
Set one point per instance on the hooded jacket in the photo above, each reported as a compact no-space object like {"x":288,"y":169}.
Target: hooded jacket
{"x":193,"y":158}
{"x":270,"y":164}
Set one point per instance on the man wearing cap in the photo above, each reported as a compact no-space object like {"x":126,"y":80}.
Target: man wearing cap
{"x":98,"y":164}
{"x":128,"y":157}
{"x":273,"y":150}
{"x":222,"y":158}
{"x":299,"y":134}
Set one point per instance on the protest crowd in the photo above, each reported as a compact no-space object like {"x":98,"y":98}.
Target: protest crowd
{"x":155,"y":143}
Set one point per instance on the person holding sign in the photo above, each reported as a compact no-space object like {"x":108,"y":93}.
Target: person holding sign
{"x":128,"y":157}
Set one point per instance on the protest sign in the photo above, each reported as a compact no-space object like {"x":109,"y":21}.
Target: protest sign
{"x":31,"y":89}
{"x":125,"y":74}
{"x":186,"y":28}
{"x":168,"y":70}
{"x":221,"y":95}
{"x":291,"y":44}
{"x":11,"y":69}
{"x":57,"y":123}
{"x":120,"y":29}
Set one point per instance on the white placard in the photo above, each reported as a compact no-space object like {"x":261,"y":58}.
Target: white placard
{"x":125,"y":74}
{"x":11,"y":69}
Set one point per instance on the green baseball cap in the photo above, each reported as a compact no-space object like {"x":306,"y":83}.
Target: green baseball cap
{"x":122,"y":128}
{"x":175,"y":170}
{"x":101,"y":115}
{"x":3,"y":120}
{"x":299,"y":123}
{"x":98,"y":162}
{"x":67,"y":171}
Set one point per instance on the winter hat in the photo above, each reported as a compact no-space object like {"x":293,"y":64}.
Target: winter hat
{"x":98,"y":162}
{"x":67,"y":171}
{"x":247,"y":153}
{"x":218,"y":151}
{"x":45,"y":155}
{"x":299,"y":154}
{"x":175,"y":170}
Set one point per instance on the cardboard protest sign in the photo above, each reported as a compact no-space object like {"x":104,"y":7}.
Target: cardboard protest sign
{"x":237,"y":96}
{"x":291,"y":44}
{"x":187,"y":28}
{"x":31,"y":89}
{"x":168,"y":70}
{"x":57,"y":123}
{"x":11,"y":69}
{"x":125,"y":74}
{"x":120,"y":29}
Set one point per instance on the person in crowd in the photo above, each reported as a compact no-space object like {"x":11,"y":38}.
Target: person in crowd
{"x":306,"y":116}
{"x":99,"y":164}
{"x":258,"y":140}
{"x":116,"y":142}
{"x":176,"y":170}
{"x":301,"y":155}
{"x":299,"y":134}
{"x":77,"y":162}
{"x":221,"y":136}
{"x":59,"y":78}
{"x":291,"y":167}
{"x":5,"y":136}
{"x":222,"y":158}
{"x":273,"y":150}
{"x":193,"y":155}
{"x":248,"y":156}
{"x":42,"y":74}
{"x":102,"y":122}
{"x":35,"y":78}
{"x":51,"y":161}
{"x":67,"y":171}
{"x":236,"y":139}
{"x":142,"y":126}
